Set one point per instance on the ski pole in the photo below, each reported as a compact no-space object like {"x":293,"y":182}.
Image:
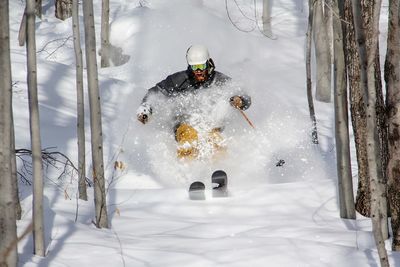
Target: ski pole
{"x":247,"y":118}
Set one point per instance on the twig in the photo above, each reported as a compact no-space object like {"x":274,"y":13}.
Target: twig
{"x":50,"y":158}
{"x":233,"y":23}
{"x":64,"y":41}
{"x":248,"y":18}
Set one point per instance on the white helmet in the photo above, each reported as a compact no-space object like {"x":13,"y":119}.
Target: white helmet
{"x":197,"y":54}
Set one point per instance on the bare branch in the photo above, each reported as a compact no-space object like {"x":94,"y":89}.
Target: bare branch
{"x":63,"y":42}
{"x":54,"y":159}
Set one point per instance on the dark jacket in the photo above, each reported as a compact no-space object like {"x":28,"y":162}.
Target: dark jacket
{"x":183,"y":82}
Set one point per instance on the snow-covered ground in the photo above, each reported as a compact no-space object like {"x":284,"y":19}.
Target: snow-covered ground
{"x":274,"y":216}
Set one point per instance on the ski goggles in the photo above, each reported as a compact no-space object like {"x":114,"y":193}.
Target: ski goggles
{"x":199,"y":66}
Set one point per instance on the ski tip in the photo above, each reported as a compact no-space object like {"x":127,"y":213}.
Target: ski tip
{"x":195,"y":186}
{"x":197,"y":191}
{"x":219,"y":173}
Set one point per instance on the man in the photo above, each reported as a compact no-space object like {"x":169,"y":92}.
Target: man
{"x":199,"y":75}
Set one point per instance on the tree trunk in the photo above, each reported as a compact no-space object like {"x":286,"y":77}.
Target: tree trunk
{"x":63,"y":9}
{"x":22,"y":27}
{"x":95,"y":116}
{"x":38,"y":8}
{"x":38,"y":224}
{"x":381,"y":120}
{"x":358,"y":114}
{"x":22,"y":30}
{"x":346,"y":196}
{"x":322,"y":46}
{"x":266,"y":18}
{"x":8,"y":228}
{"x":105,"y":34}
{"x":18,"y":210}
{"x":80,"y":102}
{"x":374,"y":78}
{"x":357,"y":108}
{"x":368,"y":83}
{"x":392,"y":78}
{"x":314,"y":132}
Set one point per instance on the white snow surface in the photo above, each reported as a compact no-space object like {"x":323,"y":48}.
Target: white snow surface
{"x":274,"y":216}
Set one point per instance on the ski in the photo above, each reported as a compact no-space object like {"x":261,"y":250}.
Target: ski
{"x":197,"y":191}
{"x":219,"y":181}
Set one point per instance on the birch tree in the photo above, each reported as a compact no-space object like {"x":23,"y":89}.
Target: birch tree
{"x":63,"y":9}
{"x":363,"y":204}
{"x":105,"y":34}
{"x":374,"y":76}
{"x":22,"y":27}
{"x":367,"y":58}
{"x":8,"y":252}
{"x":357,"y":108}
{"x":266,"y":18}
{"x":392,"y":78}
{"x":314,"y":132}
{"x":14,"y":175}
{"x":80,"y":102}
{"x":95,"y":116}
{"x":38,"y":8}
{"x":38,"y":224}
{"x":345,"y":186}
{"x":322,"y":45}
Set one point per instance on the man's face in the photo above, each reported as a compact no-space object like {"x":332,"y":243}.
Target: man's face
{"x":199,"y":72}
{"x":200,"y":75}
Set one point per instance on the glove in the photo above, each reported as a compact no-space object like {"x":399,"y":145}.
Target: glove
{"x":144,"y":112}
{"x":236,"y":102}
{"x":143,"y":118}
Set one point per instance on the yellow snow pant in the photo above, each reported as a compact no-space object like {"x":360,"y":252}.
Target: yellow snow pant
{"x":188,"y":141}
{"x":215,"y":138}
{"x":187,"y":138}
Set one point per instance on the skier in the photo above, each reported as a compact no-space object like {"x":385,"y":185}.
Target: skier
{"x":199,"y":75}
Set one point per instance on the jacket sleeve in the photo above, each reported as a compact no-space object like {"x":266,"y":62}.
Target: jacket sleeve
{"x":146,"y":106}
{"x":152,"y":91}
{"x":166,"y":87}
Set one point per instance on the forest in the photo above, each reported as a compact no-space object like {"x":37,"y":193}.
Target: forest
{"x":313,"y":163}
